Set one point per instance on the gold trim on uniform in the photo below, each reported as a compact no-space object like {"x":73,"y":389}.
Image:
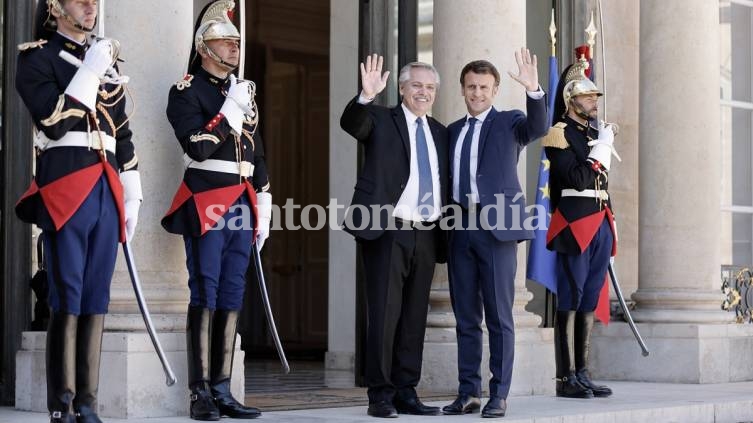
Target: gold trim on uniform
{"x":556,"y":137}
{"x":131,"y":163}
{"x":107,"y":95}
{"x":31,"y":44}
{"x":184,"y":82}
{"x":250,"y":136}
{"x":108,"y":118}
{"x":205,"y":137}
{"x":58,"y":114}
{"x":265,"y":188}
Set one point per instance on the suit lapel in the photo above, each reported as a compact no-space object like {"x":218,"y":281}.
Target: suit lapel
{"x":485,"y":127}
{"x":402,"y":126}
{"x":454,"y":133}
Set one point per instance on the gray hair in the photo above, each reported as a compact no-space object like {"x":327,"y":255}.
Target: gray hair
{"x":405,"y":71}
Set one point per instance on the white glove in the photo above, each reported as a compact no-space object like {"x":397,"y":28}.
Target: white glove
{"x":603,"y":147}
{"x":237,"y":103}
{"x":132,"y":195}
{"x":85,"y":83}
{"x":263,"y":215}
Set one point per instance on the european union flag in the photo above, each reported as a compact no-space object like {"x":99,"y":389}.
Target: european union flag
{"x":542,"y":262}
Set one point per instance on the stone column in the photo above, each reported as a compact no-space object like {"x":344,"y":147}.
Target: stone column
{"x":490,"y":30}
{"x":156,"y":40}
{"x":678,"y":297}
{"x":341,"y":345}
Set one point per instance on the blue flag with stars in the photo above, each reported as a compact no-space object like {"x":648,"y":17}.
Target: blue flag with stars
{"x":542,"y":262}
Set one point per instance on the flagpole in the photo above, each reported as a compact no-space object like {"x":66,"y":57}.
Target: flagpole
{"x":552,"y":37}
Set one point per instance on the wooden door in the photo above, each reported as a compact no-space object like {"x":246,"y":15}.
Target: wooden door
{"x":295,"y":130}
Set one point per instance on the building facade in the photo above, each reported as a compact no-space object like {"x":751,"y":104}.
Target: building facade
{"x":677,"y":76}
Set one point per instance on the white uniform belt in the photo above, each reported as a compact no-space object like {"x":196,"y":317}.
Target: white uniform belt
{"x":587,"y":193}
{"x":76,"y":139}
{"x":245,"y":169}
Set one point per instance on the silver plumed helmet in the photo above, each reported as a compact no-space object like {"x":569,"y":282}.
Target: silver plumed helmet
{"x":216,"y":24}
{"x":577,"y":83}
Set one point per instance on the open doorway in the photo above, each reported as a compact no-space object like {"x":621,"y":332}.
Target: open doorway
{"x":287,"y":55}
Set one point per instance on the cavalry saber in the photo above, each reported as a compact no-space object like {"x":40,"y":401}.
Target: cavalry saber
{"x":242,"y":44}
{"x":169,"y":375}
{"x":631,"y":323}
{"x":612,"y":273}
{"x":101,"y":19}
{"x":254,"y":248}
{"x":268,"y":309}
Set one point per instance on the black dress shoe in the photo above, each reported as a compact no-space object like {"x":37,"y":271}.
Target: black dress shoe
{"x":203,"y":406}
{"x":229,"y":406}
{"x":85,"y":414}
{"x":569,"y":387}
{"x":496,"y":407}
{"x":382,"y":409}
{"x":599,"y":391}
{"x":62,"y":417}
{"x":415,"y":406}
{"x":463,"y":404}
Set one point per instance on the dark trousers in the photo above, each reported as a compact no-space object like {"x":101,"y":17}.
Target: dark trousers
{"x":217,"y":261}
{"x":482,"y":283}
{"x":399,"y":266}
{"x":580,"y":278}
{"x":81,"y":255}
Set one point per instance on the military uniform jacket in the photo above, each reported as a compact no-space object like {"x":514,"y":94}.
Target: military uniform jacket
{"x":65,"y":176}
{"x":575,"y":220}
{"x":205,"y":136}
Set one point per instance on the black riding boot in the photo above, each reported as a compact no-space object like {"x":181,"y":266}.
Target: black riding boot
{"x":584,"y":324}
{"x":223,"y":346}
{"x":564,"y":352}
{"x":61,"y":366}
{"x":198,"y":330}
{"x":88,"y":350}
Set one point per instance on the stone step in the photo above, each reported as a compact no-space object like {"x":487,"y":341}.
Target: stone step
{"x":631,"y":402}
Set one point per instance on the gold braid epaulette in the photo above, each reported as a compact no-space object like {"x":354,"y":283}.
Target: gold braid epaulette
{"x":556,"y":137}
{"x":32,"y":45}
{"x":184,"y":82}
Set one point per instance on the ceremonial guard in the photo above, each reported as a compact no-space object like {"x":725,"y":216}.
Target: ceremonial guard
{"x":222,"y":207}
{"x":85,"y":194}
{"x":582,"y":228}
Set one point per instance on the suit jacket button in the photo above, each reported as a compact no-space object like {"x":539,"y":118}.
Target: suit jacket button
{"x":402,"y":186}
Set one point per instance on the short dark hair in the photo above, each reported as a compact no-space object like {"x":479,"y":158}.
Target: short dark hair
{"x":480,"y":67}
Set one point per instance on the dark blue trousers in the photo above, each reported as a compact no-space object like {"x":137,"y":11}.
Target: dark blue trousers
{"x":81,"y":255}
{"x":482,"y":280}
{"x":581,"y":277}
{"x":217,"y":261}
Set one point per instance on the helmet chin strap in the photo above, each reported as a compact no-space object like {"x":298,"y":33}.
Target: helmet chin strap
{"x":578,"y":109}
{"x":223,"y":64}
{"x":70,"y":19}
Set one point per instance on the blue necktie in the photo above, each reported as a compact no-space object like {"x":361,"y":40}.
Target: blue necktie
{"x":425,"y":184}
{"x":464,"y":187}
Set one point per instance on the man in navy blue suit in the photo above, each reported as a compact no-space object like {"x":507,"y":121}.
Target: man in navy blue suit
{"x":484,"y":150}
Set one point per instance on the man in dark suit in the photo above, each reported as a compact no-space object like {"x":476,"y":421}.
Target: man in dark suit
{"x":394,"y":217}
{"x":484,"y":150}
